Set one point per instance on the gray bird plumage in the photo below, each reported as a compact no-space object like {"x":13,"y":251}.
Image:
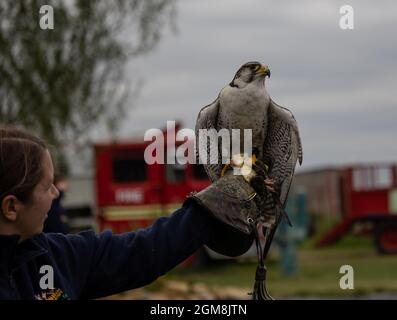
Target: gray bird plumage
{"x":245,"y":104}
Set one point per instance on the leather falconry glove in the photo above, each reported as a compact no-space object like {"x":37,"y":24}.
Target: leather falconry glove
{"x":236,"y":207}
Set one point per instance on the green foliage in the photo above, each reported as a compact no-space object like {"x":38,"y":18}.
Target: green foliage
{"x":318,"y":273}
{"x":61,"y":82}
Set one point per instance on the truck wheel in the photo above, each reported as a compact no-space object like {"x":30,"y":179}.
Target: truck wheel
{"x":386,"y":238}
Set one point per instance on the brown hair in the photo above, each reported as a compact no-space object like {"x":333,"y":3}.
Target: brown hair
{"x":21,"y":155}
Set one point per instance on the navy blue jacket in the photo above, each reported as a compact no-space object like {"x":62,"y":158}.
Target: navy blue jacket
{"x":88,"y":266}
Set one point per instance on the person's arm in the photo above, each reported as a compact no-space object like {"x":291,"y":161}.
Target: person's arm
{"x":134,"y":259}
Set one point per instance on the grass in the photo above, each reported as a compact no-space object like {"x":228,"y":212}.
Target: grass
{"x":318,"y":272}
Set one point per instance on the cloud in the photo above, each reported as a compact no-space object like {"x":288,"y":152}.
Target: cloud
{"x":341,"y":85}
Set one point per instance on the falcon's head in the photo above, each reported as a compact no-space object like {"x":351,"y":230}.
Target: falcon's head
{"x":249,"y":72}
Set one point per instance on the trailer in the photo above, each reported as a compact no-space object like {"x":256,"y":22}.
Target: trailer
{"x":357,"y":194}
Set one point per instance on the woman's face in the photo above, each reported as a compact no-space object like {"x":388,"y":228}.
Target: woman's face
{"x":31,"y":216}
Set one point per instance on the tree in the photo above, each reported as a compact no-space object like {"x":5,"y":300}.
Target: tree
{"x":62,"y":82}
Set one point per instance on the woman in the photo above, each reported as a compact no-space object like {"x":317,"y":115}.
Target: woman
{"x":34,"y":265}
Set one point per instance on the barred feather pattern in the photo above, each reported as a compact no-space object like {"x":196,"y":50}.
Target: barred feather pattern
{"x":207,"y":119}
{"x":283,"y":145}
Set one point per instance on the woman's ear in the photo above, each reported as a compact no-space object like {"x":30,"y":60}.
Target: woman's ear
{"x":9,"y":207}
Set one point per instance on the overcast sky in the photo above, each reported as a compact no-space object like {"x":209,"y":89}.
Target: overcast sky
{"x":341,"y":85}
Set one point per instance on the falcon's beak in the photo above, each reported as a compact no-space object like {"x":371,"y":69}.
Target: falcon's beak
{"x":264,"y":70}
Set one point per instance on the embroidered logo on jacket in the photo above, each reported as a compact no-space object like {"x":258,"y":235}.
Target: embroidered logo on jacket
{"x":52,"y":294}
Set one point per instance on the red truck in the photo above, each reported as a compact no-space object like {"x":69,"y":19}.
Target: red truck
{"x":131,"y":194}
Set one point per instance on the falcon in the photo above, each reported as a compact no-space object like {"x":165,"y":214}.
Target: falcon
{"x":245,"y":104}
{"x":276,"y":146}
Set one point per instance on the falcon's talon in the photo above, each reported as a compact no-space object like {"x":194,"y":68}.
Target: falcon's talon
{"x":224,"y":169}
{"x":269,"y":181}
{"x":269,"y":184}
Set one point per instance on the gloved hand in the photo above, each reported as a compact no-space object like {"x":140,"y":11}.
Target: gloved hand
{"x":236,"y":204}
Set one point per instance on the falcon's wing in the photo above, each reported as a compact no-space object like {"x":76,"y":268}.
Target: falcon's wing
{"x":208,"y":119}
{"x":283,"y":145}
